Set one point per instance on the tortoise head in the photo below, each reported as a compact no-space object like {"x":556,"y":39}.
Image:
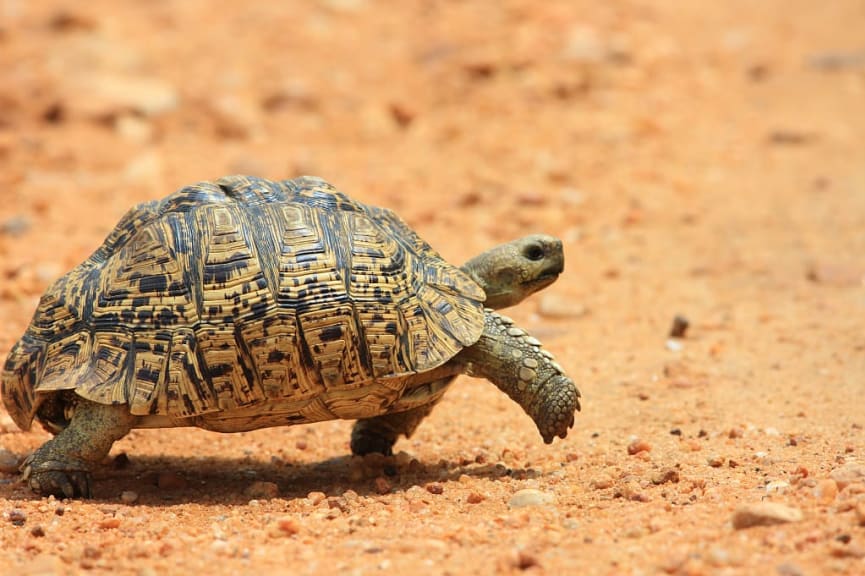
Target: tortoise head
{"x":513,"y":271}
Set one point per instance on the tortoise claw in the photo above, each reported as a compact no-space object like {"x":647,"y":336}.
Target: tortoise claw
{"x":57,"y":478}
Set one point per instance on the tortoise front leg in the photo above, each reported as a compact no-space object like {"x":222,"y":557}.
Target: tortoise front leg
{"x":62,"y":465}
{"x":379,"y":434}
{"x":518,"y":365}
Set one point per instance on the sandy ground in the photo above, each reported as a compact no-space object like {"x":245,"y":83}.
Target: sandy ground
{"x":705,"y":159}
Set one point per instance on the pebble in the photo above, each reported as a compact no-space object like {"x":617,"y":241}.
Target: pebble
{"x":316,"y":497}
{"x":17,"y":517}
{"x":632,"y":491}
{"x":848,"y":474}
{"x":679,"y":327}
{"x":552,"y":305}
{"x":475,"y":498}
{"x":715,"y":461}
{"x":8,"y":461}
{"x":15,"y":226}
{"x":129,"y":497}
{"x":789,"y":569}
{"x":37,"y":531}
{"x":261,"y":490}
{"x":666,"y":475}
{"x":841,"y":550}
{"x":826,"y":490}
{"x":288,"y":526}
{"x":530,"y":497}
{"x":109,"y":523}
{"x":674,"y":345}
{"x":601,"y":482}
{"x":764,"y":514}
{"x":434,"y":488}
{"x":636,"y":446}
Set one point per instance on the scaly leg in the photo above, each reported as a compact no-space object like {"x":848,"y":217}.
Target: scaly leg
{"x":516,"y":363}
{"x":379,"y":434}
{"x":62,"y":465}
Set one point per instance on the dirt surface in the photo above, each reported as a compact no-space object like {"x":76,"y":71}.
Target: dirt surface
{"x":705,"y":159}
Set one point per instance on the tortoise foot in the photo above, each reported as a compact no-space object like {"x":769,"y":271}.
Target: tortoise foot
{"x":63,"y":479}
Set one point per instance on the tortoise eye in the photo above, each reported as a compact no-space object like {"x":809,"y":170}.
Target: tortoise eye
{"x":534,"y":252}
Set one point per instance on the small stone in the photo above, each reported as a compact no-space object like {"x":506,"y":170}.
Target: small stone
{"x":715,"y":461}
{"x":525,"y":560}
{"x":17,"y":517}
{"x":848,"y":474}
{"x":261,"y":490}
{"x":679,"y":327}
{"x":316,"y":497}
{"x":15,"y":226}
{"x":632,"y":491}
{"x":8,"y":461}
{"x":844,"y":550}
{"x":666,"y":475}
{"x":601,"y":482}
{"x":764,"y":514}
{"x":382,"y":486}
{"x":530,"y":497}
{"x":109,"y":523}
{"x":789,"y":569}
{"x":129,"y":497}
{"x":674,"y":345}
{"x":475,"y":498}
{"x":637,"y":446}
{"x":37,"y":531}
{"x":301,"y":445}
{"x":826,"y":490}
{"x":171,"y":481}
{"x":435,"y":488}
{"x":288,"y":526}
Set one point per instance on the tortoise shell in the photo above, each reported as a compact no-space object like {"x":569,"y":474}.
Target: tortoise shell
{"x":241,"y":296}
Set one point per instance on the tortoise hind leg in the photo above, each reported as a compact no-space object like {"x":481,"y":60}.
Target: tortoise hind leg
{"x":62,"y":465}
{"x":379,"y":434}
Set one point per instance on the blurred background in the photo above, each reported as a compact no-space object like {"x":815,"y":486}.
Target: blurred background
{"x":663,"y":141}
{"x":698,"y":158}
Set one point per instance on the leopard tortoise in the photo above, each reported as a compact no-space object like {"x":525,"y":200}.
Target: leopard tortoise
{"x":246,"y":303}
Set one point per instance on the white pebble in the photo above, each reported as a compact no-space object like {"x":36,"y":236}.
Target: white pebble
{"x":530,"y":497}
{"x":764,"y":514}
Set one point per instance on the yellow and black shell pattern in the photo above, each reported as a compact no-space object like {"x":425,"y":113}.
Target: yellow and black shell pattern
{"x":240,"y":294}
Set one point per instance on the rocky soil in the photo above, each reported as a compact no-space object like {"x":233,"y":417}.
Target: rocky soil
{"x":699,"y":159}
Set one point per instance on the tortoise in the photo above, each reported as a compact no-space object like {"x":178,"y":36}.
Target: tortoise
{"x":246,"y":303}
